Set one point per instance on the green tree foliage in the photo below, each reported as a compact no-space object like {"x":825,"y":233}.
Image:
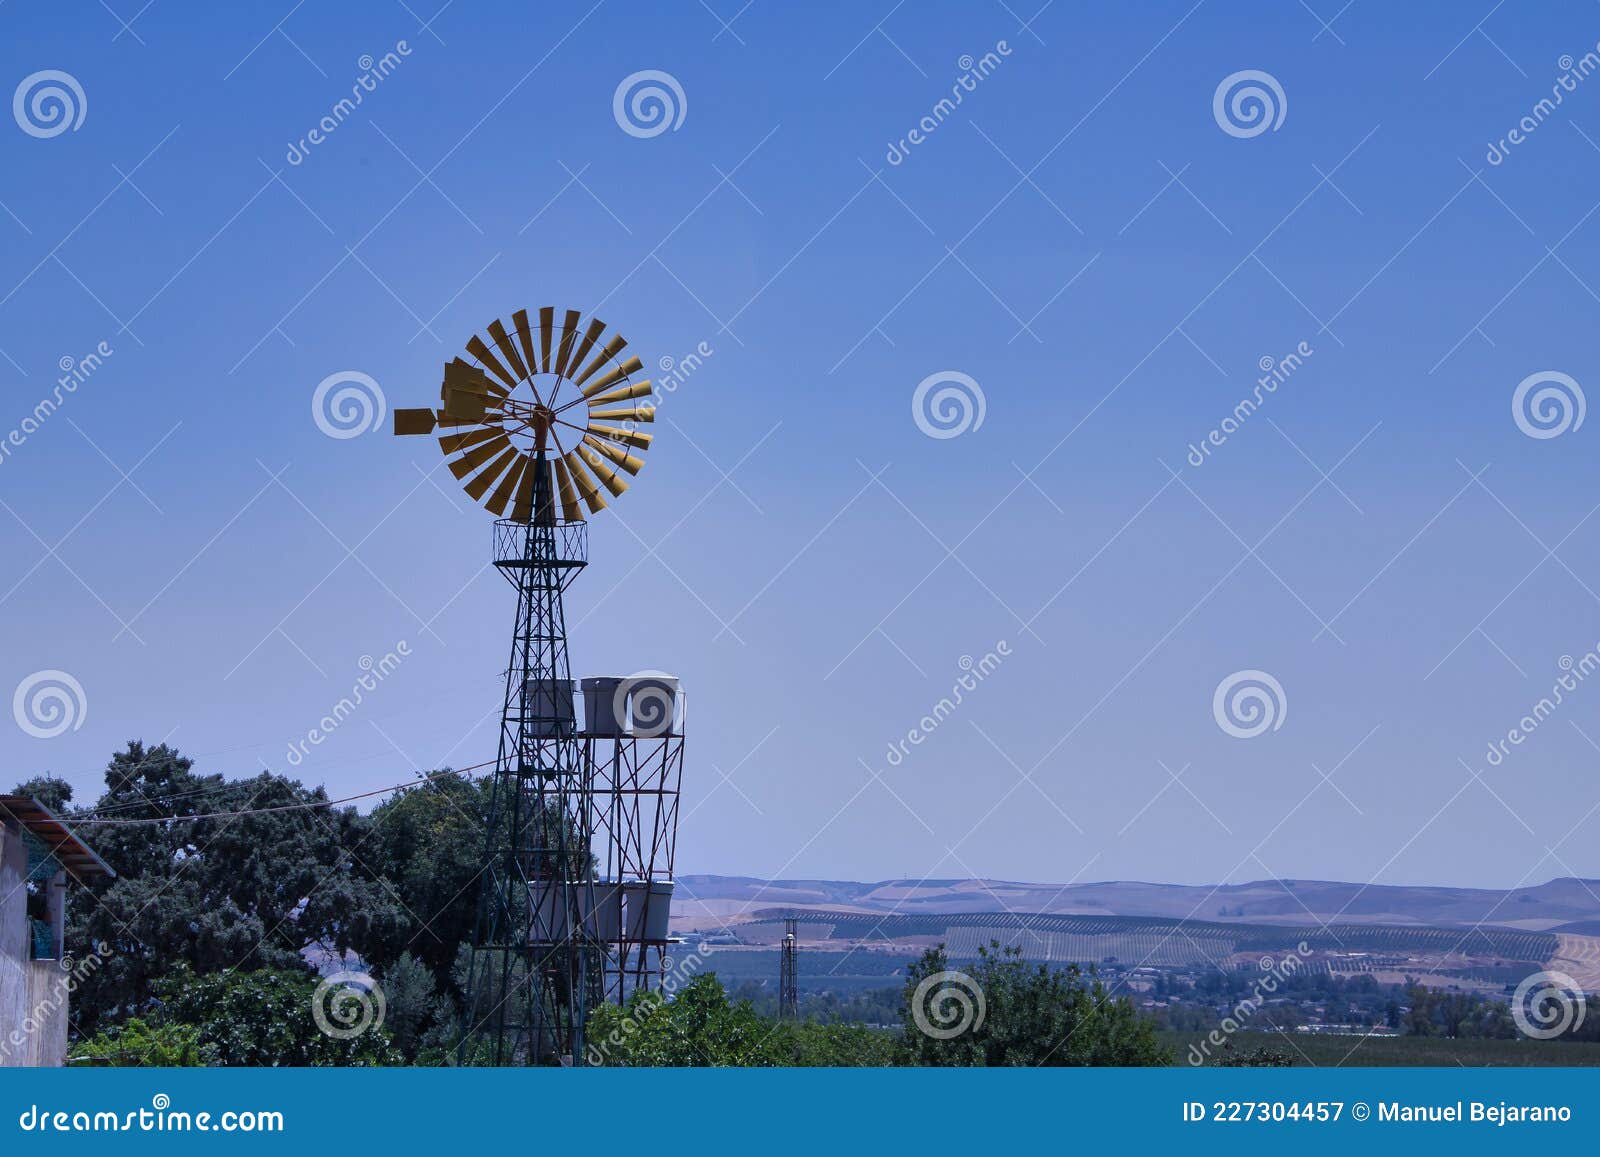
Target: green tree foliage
{"x":427,"y":843}
{"x":264,"y":1018}
{"x":1033,"y":1015}
{"x":52,"y":791}
{"x":413,"y":1004}
{"x":700,"y":1027}
{"x":141,"y":1044}
{"x":231,"y":892}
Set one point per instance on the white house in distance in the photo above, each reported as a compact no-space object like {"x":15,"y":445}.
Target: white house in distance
{"x":38,"y":856}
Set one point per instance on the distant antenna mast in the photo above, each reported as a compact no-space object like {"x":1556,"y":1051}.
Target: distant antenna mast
{"x":789,"y":972}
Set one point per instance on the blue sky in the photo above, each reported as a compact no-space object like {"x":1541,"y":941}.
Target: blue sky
{"x":1080,"y":236}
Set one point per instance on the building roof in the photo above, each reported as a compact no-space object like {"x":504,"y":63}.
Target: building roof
{"x":72,"y":853}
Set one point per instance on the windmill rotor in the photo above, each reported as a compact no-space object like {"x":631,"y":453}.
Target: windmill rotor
{"x":544,"y":415}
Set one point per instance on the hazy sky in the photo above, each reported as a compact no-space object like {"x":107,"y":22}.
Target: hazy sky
{"x":1107,"y":256}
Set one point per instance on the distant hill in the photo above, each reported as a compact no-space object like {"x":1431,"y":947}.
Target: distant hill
{"x":1564,"y":904}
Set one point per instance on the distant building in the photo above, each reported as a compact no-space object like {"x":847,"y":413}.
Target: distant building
{"x":39,"y":855}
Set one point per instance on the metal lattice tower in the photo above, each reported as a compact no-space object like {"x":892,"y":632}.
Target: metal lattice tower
{"x":535,"y":966}
{"x":789,"y":971}
{"x":548,"y":417}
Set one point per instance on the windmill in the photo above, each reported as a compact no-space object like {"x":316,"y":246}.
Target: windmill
{"x":540,"y":423}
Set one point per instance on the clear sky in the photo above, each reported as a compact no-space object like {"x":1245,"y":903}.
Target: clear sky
{"x":1105,"y":259}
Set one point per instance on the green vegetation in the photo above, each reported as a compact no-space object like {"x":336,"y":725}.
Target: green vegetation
{"x":210,"y":935}
{"x":237,"y":1018}
{"x":1389,"y":1051}
{"x":700,"y":1026}
{"x":1033,"y":1015}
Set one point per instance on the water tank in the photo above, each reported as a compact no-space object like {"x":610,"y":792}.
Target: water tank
{"x":648,"y":909}
{"x":551,"y":915}
{"x":605,"y":711}
{"x":654,"y":708}
{"x":550,"y":708}
{"x":605,"y":912}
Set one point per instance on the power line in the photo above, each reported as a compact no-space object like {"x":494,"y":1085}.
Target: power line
{"x":156,"y":798}
{"x":85,"y":820}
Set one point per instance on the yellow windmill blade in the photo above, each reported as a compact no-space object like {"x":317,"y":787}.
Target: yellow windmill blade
{"x":519,"y":322}
{"x":628,"y":414}
{"x":587,"y":489}
{"x":502,"y":342}
{"x":590,"y":335}
{"x":522,"y":510}
{"x":491,"y":473}
{"x":569,"y":334}
{"x":624,"y":393}
{"x":570,"y":510}
{"x":632,"y":463}
{"x":629,"y":437}
{"x":497,"y":502}
{"x":485,"y":355}
{"x":478,"y":455}
{"x":612,"y":348}
{"x":546,"y":318}
{"x":451,"y":443}
{"x":609,"y":478}
{"x":612,"y":376}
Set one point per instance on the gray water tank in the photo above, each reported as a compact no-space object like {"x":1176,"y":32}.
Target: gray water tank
{"x":654,"y":706}
{"x":550,"y":707}
{"x":605,"y":711}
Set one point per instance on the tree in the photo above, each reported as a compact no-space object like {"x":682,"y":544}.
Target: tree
{"x":1031,"y":1015}
{"x":413,"y":1004}
{"x":225,"y":892}
{"x":427,"y":845}
{"x":52,"y":791}
{"x":699,"y":1026}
